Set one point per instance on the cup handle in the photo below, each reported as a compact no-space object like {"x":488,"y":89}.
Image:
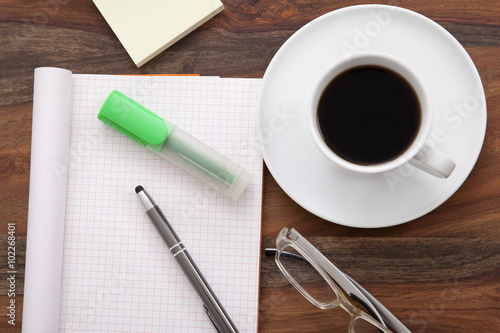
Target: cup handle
{"x":433,"y":162}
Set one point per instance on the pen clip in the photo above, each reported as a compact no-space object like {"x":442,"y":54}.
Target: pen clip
{"x":212,"y":319}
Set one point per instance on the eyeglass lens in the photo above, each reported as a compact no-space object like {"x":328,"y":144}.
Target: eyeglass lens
{"x":363,"y":326}
{"x":306,"y":276}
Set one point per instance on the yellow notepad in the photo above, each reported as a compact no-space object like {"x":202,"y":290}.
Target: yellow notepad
{"x":146,"y":28}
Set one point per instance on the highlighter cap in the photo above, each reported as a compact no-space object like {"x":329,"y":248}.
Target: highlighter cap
{"x":133,"y":119}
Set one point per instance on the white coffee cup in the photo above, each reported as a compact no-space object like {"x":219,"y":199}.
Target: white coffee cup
{"x":418,"y":153}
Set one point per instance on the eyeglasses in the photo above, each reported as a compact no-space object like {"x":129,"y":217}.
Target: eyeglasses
{"x":325,"y":286}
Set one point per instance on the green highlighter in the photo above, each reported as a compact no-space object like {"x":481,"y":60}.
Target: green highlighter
{"x":174,"y":145}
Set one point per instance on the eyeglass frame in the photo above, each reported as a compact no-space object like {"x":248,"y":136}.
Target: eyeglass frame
{"x":340,"y":282}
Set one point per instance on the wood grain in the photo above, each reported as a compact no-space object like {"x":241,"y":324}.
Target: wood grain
{"x":439,"y":273}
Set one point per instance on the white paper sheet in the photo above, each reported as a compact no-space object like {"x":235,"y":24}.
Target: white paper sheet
{"x":47,"y":199}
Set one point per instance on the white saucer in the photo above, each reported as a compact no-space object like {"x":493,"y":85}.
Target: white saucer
{"x":390,"y":198}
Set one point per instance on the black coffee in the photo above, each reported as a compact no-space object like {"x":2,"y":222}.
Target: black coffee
{"x":369,"y":115}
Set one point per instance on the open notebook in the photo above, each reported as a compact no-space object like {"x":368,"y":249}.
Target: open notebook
{"x":94,"y":261}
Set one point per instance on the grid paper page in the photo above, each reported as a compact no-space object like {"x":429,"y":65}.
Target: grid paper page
{"x":118,"y":275}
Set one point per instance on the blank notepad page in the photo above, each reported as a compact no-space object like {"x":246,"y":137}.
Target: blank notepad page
{"x":118,"y":275}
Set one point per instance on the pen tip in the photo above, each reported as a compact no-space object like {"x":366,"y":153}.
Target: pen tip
{"x":138,"y":189}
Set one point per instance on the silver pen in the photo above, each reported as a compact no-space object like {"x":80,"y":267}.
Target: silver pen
{"x":211,"y":303}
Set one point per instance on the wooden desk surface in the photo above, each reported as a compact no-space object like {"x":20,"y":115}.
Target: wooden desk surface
{"x":439,"y":273}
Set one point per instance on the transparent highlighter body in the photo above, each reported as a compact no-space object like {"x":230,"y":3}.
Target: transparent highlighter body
{"x":202,"y":162}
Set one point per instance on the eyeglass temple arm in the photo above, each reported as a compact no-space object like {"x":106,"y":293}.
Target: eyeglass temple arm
{"x":391,"y":319}
{"x":272,"y":252}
